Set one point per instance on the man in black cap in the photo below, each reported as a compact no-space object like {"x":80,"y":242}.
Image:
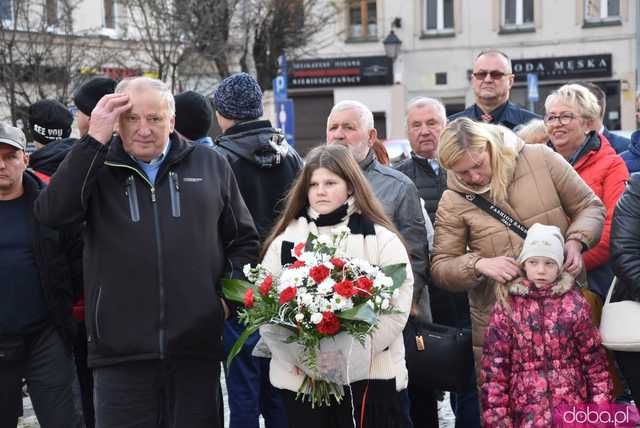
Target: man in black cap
{"x":50,"y":126}
{"x":265,"y":165}
{"x":193,"y":117}
{"x":38,"y":267}
{"x":86,"y":98}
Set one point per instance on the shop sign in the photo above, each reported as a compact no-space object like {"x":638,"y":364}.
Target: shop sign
{"x":331,"y":72}
{"x":563,"y":68}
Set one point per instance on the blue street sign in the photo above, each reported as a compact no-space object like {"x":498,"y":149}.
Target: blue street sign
{"x":280,"y":88}
{"x":285,"y":118}
{"x":532,"y":87}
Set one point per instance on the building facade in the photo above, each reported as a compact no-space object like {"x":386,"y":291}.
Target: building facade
{"x":559,"y":40}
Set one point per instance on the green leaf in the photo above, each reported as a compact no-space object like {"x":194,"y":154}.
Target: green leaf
{"x":235,"y":289}
{"x":237,"y":347}
{"x":362,"y":312}
{"x":308,"y":246}
{"x":397,"y":272}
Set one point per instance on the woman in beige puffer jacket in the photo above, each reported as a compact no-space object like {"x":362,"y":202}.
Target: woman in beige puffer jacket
{"x":472,"y":250}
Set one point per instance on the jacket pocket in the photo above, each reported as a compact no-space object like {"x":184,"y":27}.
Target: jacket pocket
{"x":132,"y":195}
{"x":174,"y":191}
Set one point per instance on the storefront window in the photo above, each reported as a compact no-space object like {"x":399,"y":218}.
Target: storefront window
{"x":517,"y":14}
{"x":601,"y":10}
{"x":109,"y":14}
{"x":52,"y":12}
{"x":438,"y":16}
{"x":363,"y":19}
{"x":6,"y":12}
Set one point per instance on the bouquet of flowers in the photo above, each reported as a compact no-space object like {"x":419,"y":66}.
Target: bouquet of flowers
{"x":305,"y":310}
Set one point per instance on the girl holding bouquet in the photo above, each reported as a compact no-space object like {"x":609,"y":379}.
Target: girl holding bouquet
{"x":331,"y":192}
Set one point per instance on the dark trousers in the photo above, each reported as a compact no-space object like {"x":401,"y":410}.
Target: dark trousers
{"x":47,"y":367}
{"x":250,"y":391}
{"x":383,"y":408}
{"x":158,"y":394}
{"x":424,"y":407}
{"x":466,"y":404}
{"x":84,"y":375}
{"x":629,"y":363}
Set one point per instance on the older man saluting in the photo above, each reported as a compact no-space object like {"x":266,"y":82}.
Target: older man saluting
{"x":164,"y":222}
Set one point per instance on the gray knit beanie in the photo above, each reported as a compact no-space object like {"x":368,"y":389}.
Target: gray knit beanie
{"x":239,"y":97}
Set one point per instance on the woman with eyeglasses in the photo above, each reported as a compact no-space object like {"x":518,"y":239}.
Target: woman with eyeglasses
{"x":475,"y":252}
{"x":570,"y":113}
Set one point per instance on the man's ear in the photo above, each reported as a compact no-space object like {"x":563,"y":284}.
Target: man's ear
{"x":373,"y":135}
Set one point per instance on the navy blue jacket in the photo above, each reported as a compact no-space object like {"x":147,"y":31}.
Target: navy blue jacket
{"x":632,"y":155}
{"x":509,"y":115}
{"x":618,"y":142}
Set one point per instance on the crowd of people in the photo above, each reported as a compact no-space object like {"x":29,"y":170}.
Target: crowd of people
{"x":510,"y":224}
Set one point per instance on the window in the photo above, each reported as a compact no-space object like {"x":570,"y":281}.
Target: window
{"x":601,"y":10}
{"x":6,"y":10}
{"x":52,"y":12}
{"x":363,"y":19}
{"x":517,"y":14}
{"x":438,"y":16}
{"x":109,"y":14}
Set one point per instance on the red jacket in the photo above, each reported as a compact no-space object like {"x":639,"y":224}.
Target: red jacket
{"x":543,"y":352}
{"x":606,"y":173}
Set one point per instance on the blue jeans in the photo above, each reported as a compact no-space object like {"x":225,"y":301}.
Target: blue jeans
{"x":250,"y":391}
{"x":48,"y":370}
{"x":157,"y":393}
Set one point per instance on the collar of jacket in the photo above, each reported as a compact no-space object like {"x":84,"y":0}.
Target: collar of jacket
{"x":591,"y":145}
{"x":32,"y":185}
{"x":634,"y":146}
{"x":423,"y":163}
{"x":368,"y":162}
{"x":524,"y":287}
{"x":249,"y":125}
{"x":179,"y":149}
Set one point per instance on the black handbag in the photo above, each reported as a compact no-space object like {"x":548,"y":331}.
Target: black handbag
{"x":438,"y":356}
{"x":12,"y":348}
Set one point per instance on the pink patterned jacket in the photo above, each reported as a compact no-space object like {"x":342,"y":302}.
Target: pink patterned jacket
{"x":542,"y":352}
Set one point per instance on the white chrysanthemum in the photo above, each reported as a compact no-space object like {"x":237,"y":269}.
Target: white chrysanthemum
{"x":299,"y":317}
{"x":385,"y":304}
{"x":292,"y":278}
{"x":306,"y":299}
{"x":308,"y":258}
{"x":339,"y":303}
{"x":378,"y":300}
{"x":316,"y":318}
{"x":324,"y":240}
{"x":326,"y":286}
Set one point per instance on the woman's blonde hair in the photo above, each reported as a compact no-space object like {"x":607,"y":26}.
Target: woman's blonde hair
{"x":341,"y":162}
{"x":578,"y":96}
{"x":534,"y":132}
{"x":463,"y":135}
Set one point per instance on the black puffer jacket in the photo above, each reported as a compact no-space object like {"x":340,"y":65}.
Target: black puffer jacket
{"x":58,"y":257}
{"x":47,"y":159}
{"x":154,"y":254}
{"x":265,"y":166}
{"x":625,"y":243}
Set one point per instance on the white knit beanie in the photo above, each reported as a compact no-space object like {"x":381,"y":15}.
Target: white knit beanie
{"x":543,"y":241}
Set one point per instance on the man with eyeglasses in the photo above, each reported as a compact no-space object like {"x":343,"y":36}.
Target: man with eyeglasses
{"x":632,"y":155}
{"x":492,"y":79}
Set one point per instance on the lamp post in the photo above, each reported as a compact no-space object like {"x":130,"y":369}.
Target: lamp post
{"x":392,"y":45}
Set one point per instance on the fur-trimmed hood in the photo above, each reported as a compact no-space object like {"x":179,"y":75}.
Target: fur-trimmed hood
{"x":524,"y":287}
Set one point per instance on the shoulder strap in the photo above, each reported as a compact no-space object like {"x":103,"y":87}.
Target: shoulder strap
{"x":496,"y":213}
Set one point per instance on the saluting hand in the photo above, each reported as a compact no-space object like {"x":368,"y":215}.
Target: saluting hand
{"x":105,"y":115}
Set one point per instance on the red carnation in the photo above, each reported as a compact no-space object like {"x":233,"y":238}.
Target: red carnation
{"x":296,"y":264}
{"x":329,"y":325}
{"x":319,"y":273}
{"x":345,"y":288}
{"x":338,"y":263}
{"x":364,"y":286}
{"x":287,"y":294}
{"x":248,"y":299}
{"x":297,"y":250}
{"x":266,"y":285}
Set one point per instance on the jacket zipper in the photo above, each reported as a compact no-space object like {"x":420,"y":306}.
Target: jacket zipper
{"x":174,"y":191}
{"x":132,"y":195}
{"x":156,"y":219}
{"x":97,"y":318}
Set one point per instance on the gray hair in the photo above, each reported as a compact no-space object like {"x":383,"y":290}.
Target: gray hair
{"x":142,"y":82}
{"x":365,"y":115}
{"x":496,"y":52}
{"x":422,"y":102}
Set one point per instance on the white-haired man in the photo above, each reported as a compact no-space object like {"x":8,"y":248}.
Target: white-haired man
{"x":164,"y":221}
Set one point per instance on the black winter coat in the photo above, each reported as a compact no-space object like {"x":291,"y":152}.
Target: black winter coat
{"x":509,"y":115}
{"x":58,"y":257}
{"x":625,"y":243}
{"x":154,"y":254}
{"x":265,"y":166}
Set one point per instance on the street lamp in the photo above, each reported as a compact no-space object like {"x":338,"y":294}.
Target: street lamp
{"x":392,"y":45}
